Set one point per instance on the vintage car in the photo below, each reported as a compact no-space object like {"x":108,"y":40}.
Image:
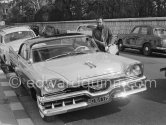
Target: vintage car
{"x":68,"y":73}
{"x":145,"y":38}
{"x":87,"y":30}
{"x":84,"y":29}
{"x":11,"y":37}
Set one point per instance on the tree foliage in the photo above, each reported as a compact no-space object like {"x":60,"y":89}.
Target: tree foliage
{"x":57,"y":10}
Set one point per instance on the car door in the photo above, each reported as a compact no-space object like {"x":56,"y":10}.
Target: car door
{"x":131,"y":39}
{"x":0,"y":46}
{"x":3,"y":48}
{"x":24,"y":68}
{"x":143,"y":36}
{"x":1,"y":43}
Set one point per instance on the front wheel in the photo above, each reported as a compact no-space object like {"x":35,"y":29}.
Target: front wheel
{"x":33,"y":94}
{"x":147,"y":50}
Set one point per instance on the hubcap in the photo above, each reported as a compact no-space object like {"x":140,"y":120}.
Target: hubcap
{"x":120,"y":46}
{"x":146,"y":49}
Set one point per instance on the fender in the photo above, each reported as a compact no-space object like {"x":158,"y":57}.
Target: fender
{"x":163,"y":70}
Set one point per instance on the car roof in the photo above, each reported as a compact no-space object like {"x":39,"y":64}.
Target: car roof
{"x":10,"y":29}
{"x":42,"y":39}
{"x":87,"y":25}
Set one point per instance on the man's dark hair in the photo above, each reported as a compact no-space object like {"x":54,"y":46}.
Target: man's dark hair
{"x":99,"y":18}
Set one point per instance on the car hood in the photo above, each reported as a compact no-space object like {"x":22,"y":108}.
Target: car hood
{"x":85,"y":66}
{"x":16,"y":44}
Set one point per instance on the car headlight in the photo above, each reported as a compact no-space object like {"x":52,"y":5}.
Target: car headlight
{"x":54,"y":85}
{"x":135,"y":70}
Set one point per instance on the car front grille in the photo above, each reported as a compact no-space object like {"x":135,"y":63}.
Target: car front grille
{"x":94,"y":87}
{"x":65,"y":102}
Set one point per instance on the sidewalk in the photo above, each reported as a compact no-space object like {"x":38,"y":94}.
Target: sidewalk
{"x":11,"y":110}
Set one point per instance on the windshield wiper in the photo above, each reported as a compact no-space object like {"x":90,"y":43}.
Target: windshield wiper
{"x":65,"y":54}
{"x":58,"y":56}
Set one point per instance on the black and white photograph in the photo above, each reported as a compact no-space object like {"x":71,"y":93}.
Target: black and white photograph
{"x":82,"y":62}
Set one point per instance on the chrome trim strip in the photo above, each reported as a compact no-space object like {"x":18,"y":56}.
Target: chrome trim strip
{"x":161,"y":48}
{"x":64,"y":109}
{"x":123,"y":94}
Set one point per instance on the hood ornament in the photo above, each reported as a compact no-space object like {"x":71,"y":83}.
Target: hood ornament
{"x":90,"y":64}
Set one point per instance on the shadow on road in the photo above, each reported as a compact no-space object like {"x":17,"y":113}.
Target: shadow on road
{"x":85,"y":114}
{"x":94,"y":112}
{"x":156,"y":94}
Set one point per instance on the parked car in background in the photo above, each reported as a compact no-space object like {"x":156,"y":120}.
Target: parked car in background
{"x":84,"y":29}
{"x":69,"y":72}
{"x":11,"y":38}
{"x":145,"y":38}
{"x":87,"y":30}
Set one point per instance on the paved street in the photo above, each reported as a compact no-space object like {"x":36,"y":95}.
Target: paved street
{"x":148,"y":108}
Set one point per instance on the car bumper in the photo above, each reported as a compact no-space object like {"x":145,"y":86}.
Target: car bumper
{"x":109,"y":94}
{"x":160,"y":49}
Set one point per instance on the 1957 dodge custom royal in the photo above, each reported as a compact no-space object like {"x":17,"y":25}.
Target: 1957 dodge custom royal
{"x":67,"y":73}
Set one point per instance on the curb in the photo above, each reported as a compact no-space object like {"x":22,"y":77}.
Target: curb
{"x":15,"y":105}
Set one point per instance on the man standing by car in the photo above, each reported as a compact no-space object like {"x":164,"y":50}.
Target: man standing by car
{"x":102,"y":35}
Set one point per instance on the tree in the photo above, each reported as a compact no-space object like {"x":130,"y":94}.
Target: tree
{"x":56,"y":10}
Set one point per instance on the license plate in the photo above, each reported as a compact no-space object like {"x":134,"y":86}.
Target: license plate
{"x":100,"y":99}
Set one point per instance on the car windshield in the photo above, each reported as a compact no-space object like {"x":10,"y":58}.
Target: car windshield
{"x":160,"y":31}
{"x":59,"y":48}
{"x":18,"y":36}
{"x":86,"y":28}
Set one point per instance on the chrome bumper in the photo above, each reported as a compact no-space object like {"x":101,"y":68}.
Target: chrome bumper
{"x":76,"y":106}
{"x":161,"y":48}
